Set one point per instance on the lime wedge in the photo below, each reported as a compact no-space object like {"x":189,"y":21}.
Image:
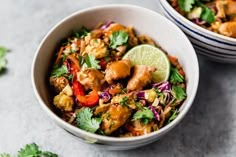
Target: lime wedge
{"x":150,"y":56}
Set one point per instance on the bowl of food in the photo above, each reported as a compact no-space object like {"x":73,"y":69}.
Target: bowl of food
{"x":119,"y":76}
{"x":209,"y":24}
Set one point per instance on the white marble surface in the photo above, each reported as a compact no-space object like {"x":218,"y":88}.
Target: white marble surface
{"x":209,"y":129}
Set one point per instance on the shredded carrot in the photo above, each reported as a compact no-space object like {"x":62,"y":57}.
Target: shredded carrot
{"x":74,"y":60}
{"x":114,"y":91}
{"x":78,"y":43}
{"x":173,"y":60}
{"x":181,"y":72}
{"x":59,"y":55}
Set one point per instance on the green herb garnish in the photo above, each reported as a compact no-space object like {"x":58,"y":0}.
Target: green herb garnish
{"x":145,"y":115}
{"x":111,"y":125}
{"x":173,"y":116}
{"x":32,"y":150}
{"x":179,"y":92}
{"x":118,"y":38}
{"x":82,"y":32}
{"x":86,"y":122}
{"x":5,"y":155}
{"x":208,"y":15}
{"x":186,"y":5}
{"x":175,"y":76}
{"x":59,"y":71}
{"x":91,"y":62}
{"x":3,"y":60}
{"x":139,"y":105}
{"x":124,"y":100}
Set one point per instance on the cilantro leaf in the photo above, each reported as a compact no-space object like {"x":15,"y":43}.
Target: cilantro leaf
{"x":5,"y":155}
{"x":32,"y":150}
{"x":123,"y":101}
{"x":91,"y":62}
{"x":139,"y":105}
{"x":208,"y":15}
{"x":118,"y":38}
{"x":3,"y":60}
{"x":82,"y":32}
{"x":145,"y":115}
{"x":186,"y":5}
{"x":86,"y":122}
{"x":59,"y":71}
{"x":49,"y":154}
{"x":29,"y":150}
{"x":173,"y":116}
{"x":179,"y":92}
{"x":175,"y":76}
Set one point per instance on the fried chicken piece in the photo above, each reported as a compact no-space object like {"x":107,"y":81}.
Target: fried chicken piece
{"x":59,"y":83}
{"x":228,"y":29}
{"x":114,"y":27}
{"x":91,"y":78}
{"x":226,"y":7}
{"x":97,"y":48}
{"x":125,"y":100}
{"x":142,"y":75}
{"x":115,"y":117}
{"x":63,"y":102}
{"x":117,"y":70}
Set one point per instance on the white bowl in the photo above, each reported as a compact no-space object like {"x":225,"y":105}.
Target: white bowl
{"x":203,"y":40}
{"x":145,"y":21}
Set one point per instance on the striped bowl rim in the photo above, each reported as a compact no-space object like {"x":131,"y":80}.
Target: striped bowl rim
{"x":197,"y":29}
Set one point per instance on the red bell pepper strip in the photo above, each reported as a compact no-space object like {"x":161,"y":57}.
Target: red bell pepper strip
{"x":89,"y":100}
{"x":77,"y":88}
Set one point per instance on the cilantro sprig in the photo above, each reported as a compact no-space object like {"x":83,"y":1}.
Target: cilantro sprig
{"x":31,"y":150}
{"x":86,"y":122}
{"x":118,"y":38}
{"x":123,"y":101}
{"x":82,"y":32}
{"x":5,"y":155}
{"x":91,"y":62}
{"x":3,"y":60}
{"x":186,"y":5}
{"x":145,"y":115}
{"x":175,"y":76}
{"x":206,"y":15}
{"x":58,"y":71}
{"x":173,"y":116}
{"x":179,"y":92}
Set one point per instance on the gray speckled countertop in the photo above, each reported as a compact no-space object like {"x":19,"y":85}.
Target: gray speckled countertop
{"x":209,"y":129}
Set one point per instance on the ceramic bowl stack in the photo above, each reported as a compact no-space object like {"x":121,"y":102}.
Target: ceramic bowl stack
{"x":209,"y":44}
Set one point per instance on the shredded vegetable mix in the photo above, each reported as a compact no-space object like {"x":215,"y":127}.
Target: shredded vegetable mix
{"x":215,"y":15}
{"x":100,"y":91}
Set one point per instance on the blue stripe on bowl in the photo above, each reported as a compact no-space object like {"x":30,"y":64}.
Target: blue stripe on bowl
{"x":219,"y":50}
{"x":209,"y":52}
{"x":205,"y":43}
{"x":215,"y":58}
{"x":195,"y":31}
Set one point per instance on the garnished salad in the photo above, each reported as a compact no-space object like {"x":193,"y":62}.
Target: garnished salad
{"x":112,"y":82}
{"x":215,"y":15}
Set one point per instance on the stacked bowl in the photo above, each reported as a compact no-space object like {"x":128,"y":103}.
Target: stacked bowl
{"x":209,"y":44}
